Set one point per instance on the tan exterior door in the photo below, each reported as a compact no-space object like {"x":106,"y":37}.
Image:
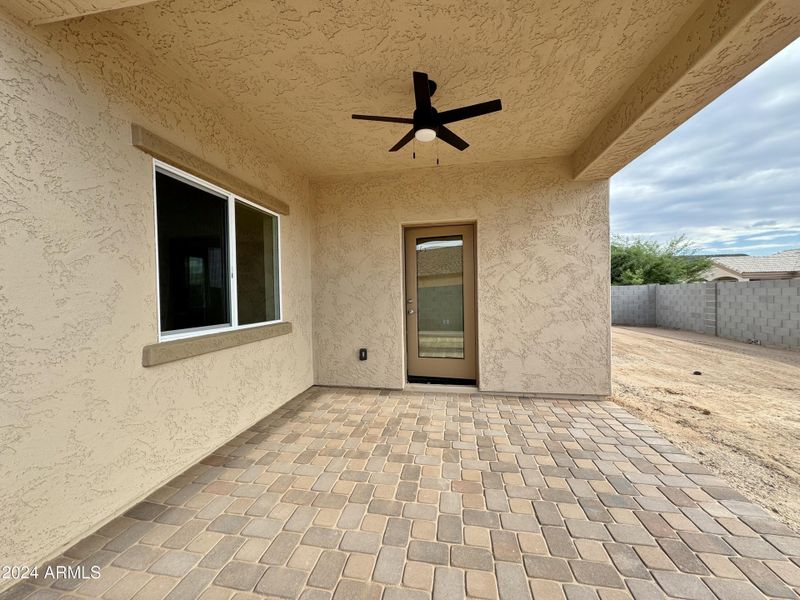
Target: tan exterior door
{"x":440,"y":304}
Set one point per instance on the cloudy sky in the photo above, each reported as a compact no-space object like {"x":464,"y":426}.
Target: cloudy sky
{"x":729,"y":178}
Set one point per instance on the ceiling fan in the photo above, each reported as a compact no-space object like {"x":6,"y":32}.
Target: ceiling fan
{"x":427,"y":123}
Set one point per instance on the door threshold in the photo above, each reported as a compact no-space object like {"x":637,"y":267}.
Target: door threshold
{"x":441,"y":388}
{"x":427,"y":379}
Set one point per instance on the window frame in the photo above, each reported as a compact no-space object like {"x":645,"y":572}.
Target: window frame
{"x":233,"y":291}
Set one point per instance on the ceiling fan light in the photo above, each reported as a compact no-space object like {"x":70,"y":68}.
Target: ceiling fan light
{"x":425,"y":135}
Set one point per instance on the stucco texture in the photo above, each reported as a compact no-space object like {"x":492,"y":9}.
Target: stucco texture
{"x":297,"y":70}
{"x":542,"y":272}
{"x":85,"y":430}
{"x":263,"y":91}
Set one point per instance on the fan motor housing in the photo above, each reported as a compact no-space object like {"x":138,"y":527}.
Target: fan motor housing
{"x":426,"y":119}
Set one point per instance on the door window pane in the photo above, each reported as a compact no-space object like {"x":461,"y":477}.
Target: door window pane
{"x":256,"y":265}
{"x":440,"y":297}
{"x":192,"y":256}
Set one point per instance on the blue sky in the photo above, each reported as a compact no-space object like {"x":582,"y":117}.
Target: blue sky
{"x":729,"y":178}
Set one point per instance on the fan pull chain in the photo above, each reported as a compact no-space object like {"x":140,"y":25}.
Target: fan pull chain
{"x":436,"y":141}
{"x":413,"y":148}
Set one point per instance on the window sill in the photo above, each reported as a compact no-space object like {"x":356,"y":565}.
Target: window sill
{"x":164,"y":352}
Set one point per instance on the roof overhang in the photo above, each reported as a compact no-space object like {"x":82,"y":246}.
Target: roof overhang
{"x":721,"y":44}
{"x":42,"y":12}
{"x":771,"y":274}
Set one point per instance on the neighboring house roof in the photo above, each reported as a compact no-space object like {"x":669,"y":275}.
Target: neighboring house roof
{"x":787,"y":261}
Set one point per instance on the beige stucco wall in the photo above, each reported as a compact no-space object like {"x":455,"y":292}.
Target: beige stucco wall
{"x":85,"y":430}
{"x":543,"y":261}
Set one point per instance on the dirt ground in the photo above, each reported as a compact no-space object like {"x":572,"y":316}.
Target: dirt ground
{"x":741,"y":417}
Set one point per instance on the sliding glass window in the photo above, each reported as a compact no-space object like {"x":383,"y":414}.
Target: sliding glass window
{"x":256,"y":264}
{"x":218,"y":258}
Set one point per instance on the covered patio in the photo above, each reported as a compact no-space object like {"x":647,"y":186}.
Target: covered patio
{"x":369,"y":494}
{"x":198,"y":237}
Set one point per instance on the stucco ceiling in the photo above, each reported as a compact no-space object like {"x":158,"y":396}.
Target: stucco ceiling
{"x":295,"y":71}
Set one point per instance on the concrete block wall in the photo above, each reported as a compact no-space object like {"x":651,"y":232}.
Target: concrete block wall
{"x":682,"y":306}
{"x":767,"y":311}
{"x":634,"y":305}
{"x":440,"y":308}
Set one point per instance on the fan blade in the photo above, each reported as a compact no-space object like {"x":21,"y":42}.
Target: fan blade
{"x":383,"y":119}
{"x":444,"y":134}
{"x":403,"y":141}
{"x":422,"y":92}
{"x":467,"y":112}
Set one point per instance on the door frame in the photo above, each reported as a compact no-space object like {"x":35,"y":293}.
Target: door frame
{"x":473,"y":348}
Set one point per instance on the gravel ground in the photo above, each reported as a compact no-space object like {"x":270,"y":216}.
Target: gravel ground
{"x":740,"y":417}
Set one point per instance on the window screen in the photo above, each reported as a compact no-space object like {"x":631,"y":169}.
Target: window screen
{"x":256,"y":265}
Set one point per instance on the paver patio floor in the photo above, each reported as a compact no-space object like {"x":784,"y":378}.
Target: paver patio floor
{"x":363,"y":494}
